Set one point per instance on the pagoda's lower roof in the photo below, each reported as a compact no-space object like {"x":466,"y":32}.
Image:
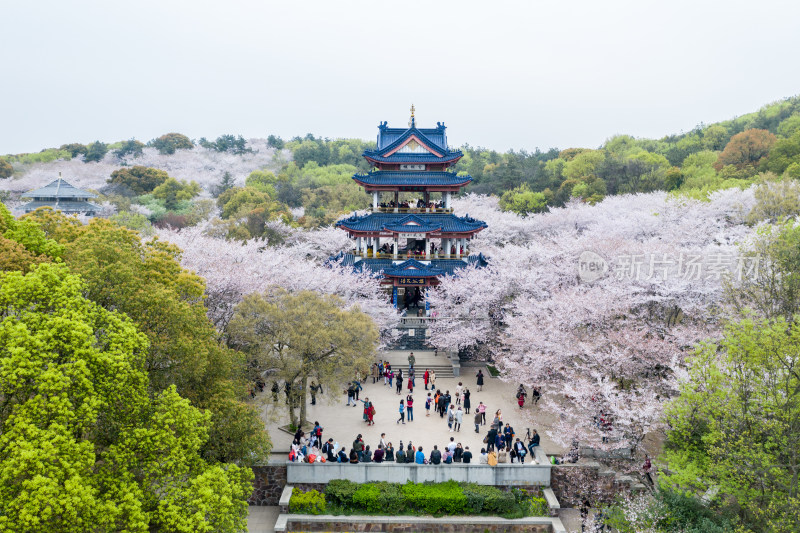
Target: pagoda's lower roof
{"x":65,"y":206}
{"x":413,"y":179}
{"x":405,"y":157}
{"x":380,"y":222}
{"x":410,"y":267}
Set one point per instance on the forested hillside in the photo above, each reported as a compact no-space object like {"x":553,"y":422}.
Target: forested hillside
{"x":175,"y":181}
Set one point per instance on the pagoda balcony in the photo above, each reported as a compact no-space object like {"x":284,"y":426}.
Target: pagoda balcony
{"x":412,"y":209}
{"x":404,"y":254}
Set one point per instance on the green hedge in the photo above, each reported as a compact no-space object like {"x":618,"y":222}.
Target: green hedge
{"x":311,"y":502}
{"x":448,"y":498}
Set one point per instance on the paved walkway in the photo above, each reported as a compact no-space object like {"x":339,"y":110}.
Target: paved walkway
{"x":343,"y":423}
{"x":262,"y":518}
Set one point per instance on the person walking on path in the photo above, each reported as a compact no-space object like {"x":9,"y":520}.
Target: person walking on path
{"x":412,"y":374}
{"x":411,"y":360}
{"x":459,"y":415}
{"x":428,"y":401}
{"x":442,"y":405}
{"x":351,"y":394}
{"x":451,"y":417}
{"x":401,"y":410}
{"x":399,"y":381}
{"x":467,"y":403}
{"x":482,"y":411}
{"x":357,"y":386}
{"x":374,"y":372}
{"x":426,"y":377}
{"x":477,"y":421}
{"x":479,"y":375}
{"x":459,"y":392}
{"x":497,"y":423}
{"x":410,"y":407}
{"x":371,"y":414}
{"x":433,"y":379}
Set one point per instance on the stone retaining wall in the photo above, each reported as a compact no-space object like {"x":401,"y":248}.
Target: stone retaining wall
{"x":268,"y":484}
{"x":404,"y":524}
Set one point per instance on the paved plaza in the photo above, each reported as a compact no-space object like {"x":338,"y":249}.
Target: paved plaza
{"x":343,"y":423}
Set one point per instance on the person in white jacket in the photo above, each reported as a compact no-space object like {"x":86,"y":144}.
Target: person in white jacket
{"x":459,"y":417}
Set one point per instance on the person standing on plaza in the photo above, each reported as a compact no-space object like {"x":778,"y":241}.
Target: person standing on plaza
{"x":482,"y":411}
{"x":477,"y":421}
{"x":411,"y":360}
{"x":399,"y":381}
{"x":433,"y":379}
{"x":410,"y":408}
{"x":426,"y":377}
{"x":371,"y":415}
{"x":479,"y":375}
{"x":383,"y":442}
{"x":459,"y":391}
{"x":357,"y":386}
{"x":451,"y":417}
{"x":351,"y":394}
{"x":401,"y":410}
{"x":459,"y":417}
{"x":374,"y":372}
{"x":447,"y":398}
{"x":410,"y":384}
{"x":428,"y":402}
{"x":441,"y":405}
{"x":467,"y":403}
{"x":497,"y":423}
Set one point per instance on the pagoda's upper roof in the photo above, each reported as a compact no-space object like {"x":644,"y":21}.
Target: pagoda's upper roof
{"x":412,"y":145}
{"x":376,"y":222}
{"x":59,"y":189}
{"x":402,"y":178}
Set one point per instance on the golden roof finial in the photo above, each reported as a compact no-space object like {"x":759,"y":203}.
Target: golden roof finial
{"x":411,"y":122}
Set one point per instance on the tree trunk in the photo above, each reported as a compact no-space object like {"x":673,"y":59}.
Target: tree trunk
{"x":302,"y":398}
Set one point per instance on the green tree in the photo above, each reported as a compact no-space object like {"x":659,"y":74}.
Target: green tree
{"x":6,"y":170}
{"x":95,"y":152}
{"x":138,"y":179}
{"x":129,"y":147}
{"x":784,"y":153}
{"x":75,"y":149}
{"x":275,"y":142}
{"x":776,"y":200}
{"x":736,"y":424}
{"x":83,"y":446}
{"x":169,"y":142}
{"x":523,"y":201}
{"x":770,"y":280}
{"x":303,"y":336}
{"x":173,"y":191}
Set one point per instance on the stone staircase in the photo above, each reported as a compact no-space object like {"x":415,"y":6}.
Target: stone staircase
{"x":440,"y":364}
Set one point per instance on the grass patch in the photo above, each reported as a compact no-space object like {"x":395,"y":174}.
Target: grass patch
{"x":493,"y":371}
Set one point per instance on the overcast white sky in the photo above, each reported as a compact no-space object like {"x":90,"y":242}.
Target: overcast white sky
{"x":499,"y":74}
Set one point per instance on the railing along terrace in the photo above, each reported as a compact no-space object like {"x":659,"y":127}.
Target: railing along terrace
{"x":383,"y":209}
{"x":419,"y":256}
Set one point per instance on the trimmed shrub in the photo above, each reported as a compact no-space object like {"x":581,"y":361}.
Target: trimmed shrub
{"x":436,"y":499}
{"x":311,"y":502}
{"x":340,"y":492}
{"x":482,"y":498}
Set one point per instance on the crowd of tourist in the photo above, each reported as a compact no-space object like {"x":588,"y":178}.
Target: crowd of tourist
{"x":501,"y":443}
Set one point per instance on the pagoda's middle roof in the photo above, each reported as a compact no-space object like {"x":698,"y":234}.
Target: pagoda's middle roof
{"x":394,"y":177}
{"x":376,"y":222}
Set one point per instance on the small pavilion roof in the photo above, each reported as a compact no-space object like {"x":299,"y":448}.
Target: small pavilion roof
{"x":376,"y":222}
{"x":376,"y":266}
{"x":388,"y":136}
{"x":59,"y":189}
{"x":401,"y":178}
{"x":414,"y":268}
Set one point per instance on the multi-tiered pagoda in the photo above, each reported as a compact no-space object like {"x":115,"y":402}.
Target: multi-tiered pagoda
{"x":411,"y":236}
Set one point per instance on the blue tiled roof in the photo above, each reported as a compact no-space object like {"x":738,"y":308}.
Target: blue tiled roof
{"x":412,"y":267}
{"x":411,"y":224}
{"x":59,"y":189}
{"x":391,"y":138}
{"x":379,"y":266}
{"x":374,"y":222}
{"x":388,"y":177}
{"x":387,"y":135}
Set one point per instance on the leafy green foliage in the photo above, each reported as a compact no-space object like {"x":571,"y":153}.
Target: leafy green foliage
{"x":6,"y":170}
{"x":736,"y":423}
{"x":275,"y":142}
{"x":83,"y":445}
{"x":226,"y":143}
{"x":311,"y":502}
{"x":138,"y":179}
{"x":170,"y":142}
{"x":340,"y":492}
{"x":485,"y":498}
{"x":95,"y":152}
{"x":669,"y":511}
{"x":129,"y":147}
{"x":173,"y":192}
{"x":75,"y":149}
{"x":523,"y":201}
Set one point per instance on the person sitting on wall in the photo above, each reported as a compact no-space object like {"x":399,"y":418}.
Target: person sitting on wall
{"x":341,"y":457}
{"x":436,"y":456}
{"x":467,"y":457}
{"x":419,"y":457}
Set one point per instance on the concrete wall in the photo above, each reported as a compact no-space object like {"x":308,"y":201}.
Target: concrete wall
{"x":500,"y":475}
{"x":403,"y":524}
